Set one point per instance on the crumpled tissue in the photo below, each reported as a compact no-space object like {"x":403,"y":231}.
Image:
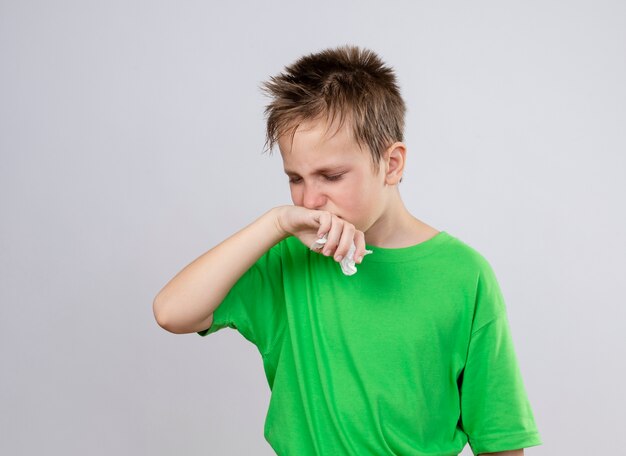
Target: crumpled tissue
{"x":348,"y":266}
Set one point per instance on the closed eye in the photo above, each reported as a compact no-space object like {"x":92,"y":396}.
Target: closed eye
{"x":336,"y":177}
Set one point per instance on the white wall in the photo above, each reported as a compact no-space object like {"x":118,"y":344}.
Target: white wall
{"x":130,"y":143}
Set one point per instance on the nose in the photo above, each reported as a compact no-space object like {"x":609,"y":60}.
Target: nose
{"x":312,"y":197}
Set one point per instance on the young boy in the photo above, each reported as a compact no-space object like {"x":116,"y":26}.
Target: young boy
{"x":412,"y":354}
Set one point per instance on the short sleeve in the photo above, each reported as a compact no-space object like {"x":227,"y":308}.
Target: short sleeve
{"x":255,"y":304}
{"x":495,"y":410}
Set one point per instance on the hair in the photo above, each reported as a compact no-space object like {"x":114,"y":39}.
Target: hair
{"x":347,"y":80}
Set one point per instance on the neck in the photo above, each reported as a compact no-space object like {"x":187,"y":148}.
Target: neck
{"x":397,"y":228}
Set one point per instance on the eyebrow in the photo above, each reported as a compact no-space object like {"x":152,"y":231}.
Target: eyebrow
{"x":325,"y":169}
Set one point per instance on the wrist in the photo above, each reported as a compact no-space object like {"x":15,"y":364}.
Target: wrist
{"x":276,"y":216}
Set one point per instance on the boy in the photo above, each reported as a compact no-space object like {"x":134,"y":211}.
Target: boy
{"x":410,"y":355}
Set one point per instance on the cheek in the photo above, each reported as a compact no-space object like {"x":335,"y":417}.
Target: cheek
{"x":366,"y":197}
{"x":354,"y":199}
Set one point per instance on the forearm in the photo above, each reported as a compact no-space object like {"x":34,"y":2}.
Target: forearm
{"x":195,"y":292}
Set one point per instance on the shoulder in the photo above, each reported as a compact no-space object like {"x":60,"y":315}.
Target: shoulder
{"x":465,"y":256}
{"x":481,"y":282}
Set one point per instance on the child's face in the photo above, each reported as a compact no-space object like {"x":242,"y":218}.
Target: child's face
{"x":333,"y":174}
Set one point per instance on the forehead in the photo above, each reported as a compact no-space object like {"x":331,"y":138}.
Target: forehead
{"x":319,"y":146}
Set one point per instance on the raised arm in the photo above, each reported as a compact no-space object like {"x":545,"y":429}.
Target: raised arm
{"x":187,"y":302}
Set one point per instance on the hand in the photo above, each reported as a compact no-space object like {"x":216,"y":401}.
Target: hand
{"x":309,"y":225}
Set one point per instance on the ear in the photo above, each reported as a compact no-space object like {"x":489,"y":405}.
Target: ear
{"x":395,"y":159}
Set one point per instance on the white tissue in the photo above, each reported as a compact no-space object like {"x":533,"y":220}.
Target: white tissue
{"x":348,"y":266}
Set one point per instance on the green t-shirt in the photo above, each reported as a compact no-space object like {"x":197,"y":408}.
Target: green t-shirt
{"x":410,"y":356}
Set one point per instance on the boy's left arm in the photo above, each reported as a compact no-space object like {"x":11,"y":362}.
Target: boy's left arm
{"x":519,"y":452}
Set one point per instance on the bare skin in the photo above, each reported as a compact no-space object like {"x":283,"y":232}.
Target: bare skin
{"x":367,"y":199}
{"x":360,"y":205}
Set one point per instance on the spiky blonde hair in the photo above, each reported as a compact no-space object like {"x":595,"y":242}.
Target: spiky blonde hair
{"x":348,"y":81}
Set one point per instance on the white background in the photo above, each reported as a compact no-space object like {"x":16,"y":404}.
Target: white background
{"x":131,"y":136}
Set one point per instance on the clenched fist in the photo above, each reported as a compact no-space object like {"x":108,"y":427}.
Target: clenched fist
{"x":309,"y":225}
